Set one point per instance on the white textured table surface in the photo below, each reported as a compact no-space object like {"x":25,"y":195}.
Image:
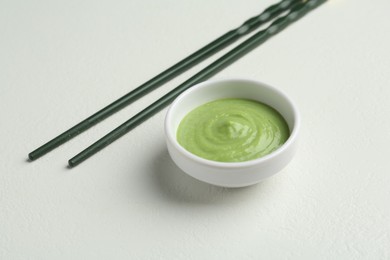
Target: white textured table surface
{"x":60,"y":61}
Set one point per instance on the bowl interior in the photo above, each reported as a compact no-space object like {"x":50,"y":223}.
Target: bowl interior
{"x":212,"y":90}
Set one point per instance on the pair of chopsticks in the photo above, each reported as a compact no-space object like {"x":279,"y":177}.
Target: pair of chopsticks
{"x":296,"y":9}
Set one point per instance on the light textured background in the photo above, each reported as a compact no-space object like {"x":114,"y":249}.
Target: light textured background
{"x":62,"y":60}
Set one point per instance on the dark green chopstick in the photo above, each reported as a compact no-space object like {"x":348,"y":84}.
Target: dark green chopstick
{"x":278,"y":25}
{"x":183,"y":65}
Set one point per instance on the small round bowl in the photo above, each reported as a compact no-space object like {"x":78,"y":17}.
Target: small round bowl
{"x":231,"y":174}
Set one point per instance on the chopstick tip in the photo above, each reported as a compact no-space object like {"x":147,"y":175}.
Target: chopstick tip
{"x":71,"y":164}
{"x":31,"y":157}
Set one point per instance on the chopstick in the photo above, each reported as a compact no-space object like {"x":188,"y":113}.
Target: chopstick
{"x":183,"y":65}
{"x":275,"y":27}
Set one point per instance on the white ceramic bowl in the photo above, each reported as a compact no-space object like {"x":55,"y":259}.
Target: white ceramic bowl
{"x":231,"y":174}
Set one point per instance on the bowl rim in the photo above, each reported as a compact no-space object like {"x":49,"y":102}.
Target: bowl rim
{"x":244,"y":164}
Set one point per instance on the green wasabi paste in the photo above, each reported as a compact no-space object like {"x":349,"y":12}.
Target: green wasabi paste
{"x":232,"y":130}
